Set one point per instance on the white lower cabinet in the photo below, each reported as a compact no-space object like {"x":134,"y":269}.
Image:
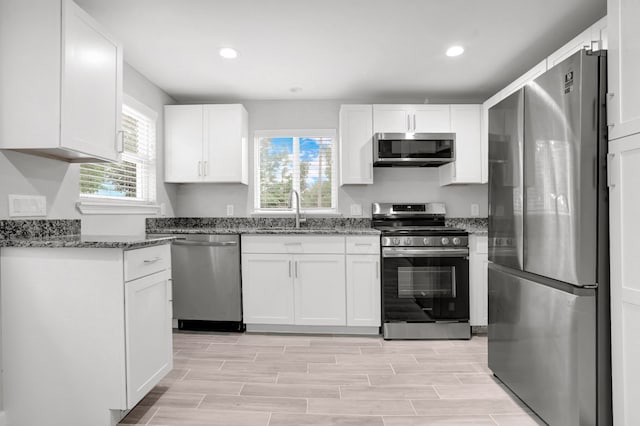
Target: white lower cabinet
{"x":363,"y":289}
{"x":310,"y":280}
{"x":478,"y":280}
{"x":267,"y":288}
{"x":78,"y":338}
{"x":319,"y":289}
{"x":148,"y":333}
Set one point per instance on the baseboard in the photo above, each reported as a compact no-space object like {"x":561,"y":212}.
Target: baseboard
{"x":310,"y":329}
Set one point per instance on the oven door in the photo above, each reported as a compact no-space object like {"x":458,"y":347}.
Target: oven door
{"x":425,"y":284}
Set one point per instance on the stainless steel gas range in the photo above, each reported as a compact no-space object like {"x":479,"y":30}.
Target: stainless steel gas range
{"x":425,"y":273}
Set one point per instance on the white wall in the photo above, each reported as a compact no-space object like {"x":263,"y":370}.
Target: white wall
{"x":391,"y":184}
{"x":138,"y":87}
{"x":58,"y":181}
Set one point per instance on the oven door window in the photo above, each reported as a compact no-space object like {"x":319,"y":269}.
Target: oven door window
{"x":427,"y":281}
{"x":425,"y":289}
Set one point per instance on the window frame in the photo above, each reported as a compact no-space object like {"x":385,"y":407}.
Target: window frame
{"x":296,"y":133}
{"x":89,"y":204}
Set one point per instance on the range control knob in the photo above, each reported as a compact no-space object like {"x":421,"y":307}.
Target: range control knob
{"x":395,"y":241}
{"x":408,"y":241}
{"x":427,"y":241}
{"x":456,"y":241}
{"x":444,"y":241}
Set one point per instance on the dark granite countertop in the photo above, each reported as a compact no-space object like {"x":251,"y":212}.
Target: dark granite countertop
{"x":126,"y":242}
{"x":268,"y":231}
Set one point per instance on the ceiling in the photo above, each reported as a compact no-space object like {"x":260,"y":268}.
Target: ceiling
{"x":357,"y":50}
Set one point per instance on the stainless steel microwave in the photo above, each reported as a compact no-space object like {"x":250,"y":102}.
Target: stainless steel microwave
{"x":413,"y":149}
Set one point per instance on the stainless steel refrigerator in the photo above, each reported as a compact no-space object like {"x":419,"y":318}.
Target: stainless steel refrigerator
{"x":549,"y":321}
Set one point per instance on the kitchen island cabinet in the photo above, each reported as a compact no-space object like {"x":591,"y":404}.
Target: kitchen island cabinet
{"x":294,"y":283}
{"x":86,"y":332}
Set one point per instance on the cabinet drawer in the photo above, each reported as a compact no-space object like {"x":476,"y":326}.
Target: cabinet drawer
{"x":145,"y":261}
{"x":363,"y":245}
{"x":479,"y":244}
{"x":293,"y":244}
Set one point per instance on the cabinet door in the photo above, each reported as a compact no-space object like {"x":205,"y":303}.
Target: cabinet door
{"x":623,"y":63}
{"x":183,"y":130}
{"x":391,"y":119}
{"x":356,"y":145}
{"x":267,"y":289}
{"x":478,"y":277}
{"x":225,"y":144}
{"x":624,"y":211}
{"x":91,"y":103}
{"x":363,"y":290}
{"x":149,"y":352}
{"x":431,"y":118}
{"x":465,"y":123}
{"x":319,"y":289}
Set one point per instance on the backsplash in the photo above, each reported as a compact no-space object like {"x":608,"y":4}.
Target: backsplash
{"x":160,"y":224}
{"x":12,"y":229}
{"x":471,"y":224}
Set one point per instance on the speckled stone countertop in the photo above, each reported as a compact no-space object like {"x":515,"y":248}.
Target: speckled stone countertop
{"x":66,"y":233}
{"x":473,"y":225}
{"x":260,"y":225}
{"x":126,"y":242}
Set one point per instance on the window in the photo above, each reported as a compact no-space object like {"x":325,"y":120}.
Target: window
{"x":133,"y":178}
{"x":304,"y":160}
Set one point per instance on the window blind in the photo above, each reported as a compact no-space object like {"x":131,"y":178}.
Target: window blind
{"x":305,"y":163}
{"x":133,"y":178}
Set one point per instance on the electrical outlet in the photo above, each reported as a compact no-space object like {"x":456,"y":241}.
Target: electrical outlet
{"x":475,"y":210}
{"x":27,"y":205}
{"x":356,"y":209}
{"x":229,"y":209}
{"x":163,"y":209}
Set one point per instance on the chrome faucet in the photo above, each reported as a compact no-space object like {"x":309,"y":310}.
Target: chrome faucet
{"x":298,"y":218}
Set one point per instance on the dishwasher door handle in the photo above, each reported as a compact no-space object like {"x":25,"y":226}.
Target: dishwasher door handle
{"x":205,"y":243}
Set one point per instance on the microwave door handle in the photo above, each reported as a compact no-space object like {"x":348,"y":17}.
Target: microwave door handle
{"x":408,"y":123}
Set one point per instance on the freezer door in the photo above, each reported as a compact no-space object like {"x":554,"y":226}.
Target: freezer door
{"x":505,"y":181}
{"x":560,"y":171}
{"x":542,"y":345}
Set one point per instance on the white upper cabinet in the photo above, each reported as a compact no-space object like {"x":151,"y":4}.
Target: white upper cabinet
{"x":467,"y":168}
{"x":225,"y":149}
{"x":623,"y":108}
{"x":206,"y":143}
{"x":356,"y":144}
{"x":411,"y":118}
{"x":64,"y":98}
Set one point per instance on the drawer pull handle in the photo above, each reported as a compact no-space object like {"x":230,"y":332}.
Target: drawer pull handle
{"x":364,"y":244}
{"x":149,"y":261}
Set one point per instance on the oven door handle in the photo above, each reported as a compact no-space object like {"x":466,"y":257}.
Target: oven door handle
{"x":424,"y":252}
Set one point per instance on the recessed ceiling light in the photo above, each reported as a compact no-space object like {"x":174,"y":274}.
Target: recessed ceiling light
{"x":455,"y":51}
{"x":295,"y":89}
{"x":229,"y":53}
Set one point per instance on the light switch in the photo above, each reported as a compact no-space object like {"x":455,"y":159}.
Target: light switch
{"x":27,"y":205}
{"x":229,"y":209}
{"x":475,"y":210}
{"x":356,"y":209}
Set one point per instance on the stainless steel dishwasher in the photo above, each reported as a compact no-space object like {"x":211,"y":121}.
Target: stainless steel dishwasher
{"x":207,"y":292}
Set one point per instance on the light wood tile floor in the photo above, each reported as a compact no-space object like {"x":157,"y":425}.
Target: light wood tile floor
{"x":280,"y":380}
